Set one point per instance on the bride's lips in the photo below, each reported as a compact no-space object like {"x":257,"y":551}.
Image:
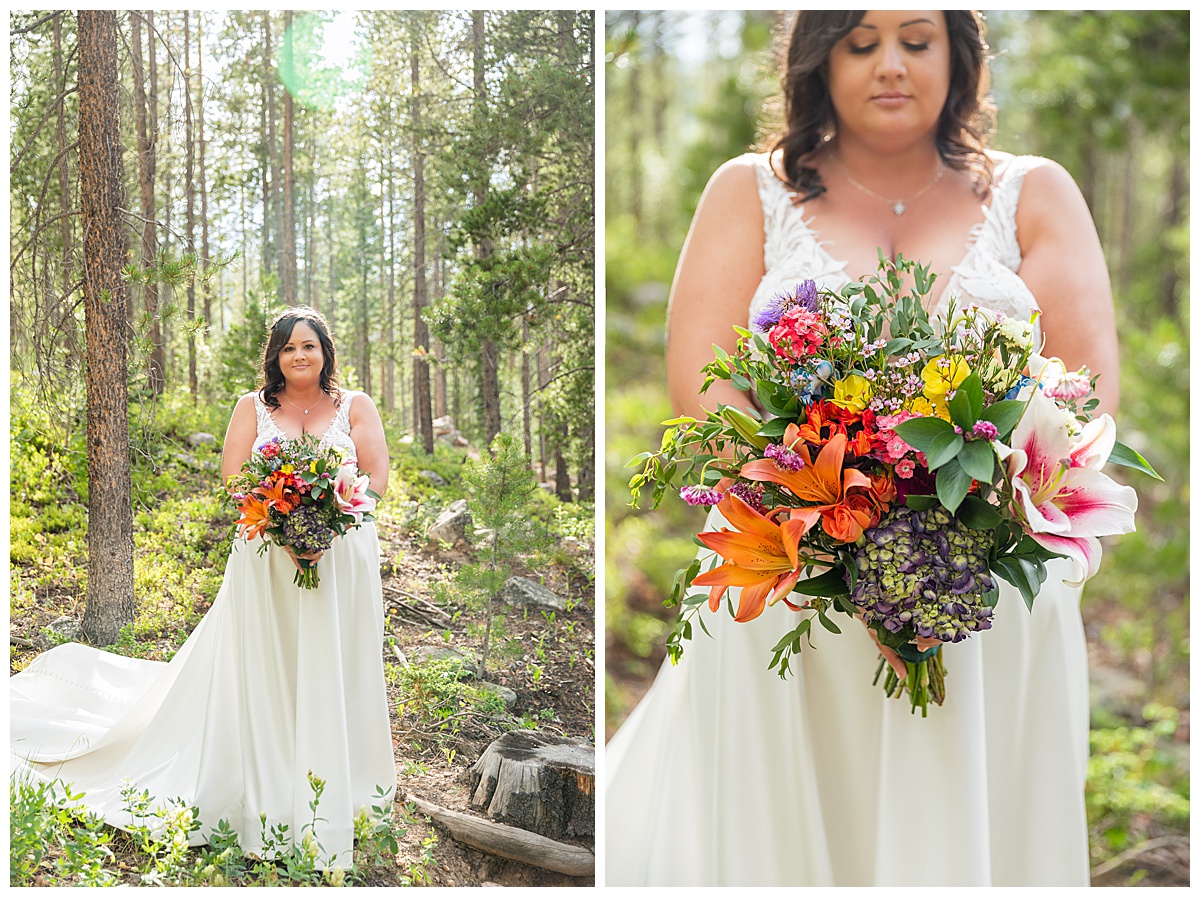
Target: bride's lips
{"x":890,"y":99}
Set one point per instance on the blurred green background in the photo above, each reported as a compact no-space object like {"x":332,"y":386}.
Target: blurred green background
{"x":1105,"y":94}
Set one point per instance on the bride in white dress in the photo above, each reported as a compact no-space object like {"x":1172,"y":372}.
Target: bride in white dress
{"x":273,"y":683}
{"x":726,"y":775}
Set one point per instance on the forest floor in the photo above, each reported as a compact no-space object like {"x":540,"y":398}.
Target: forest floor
{"x":441,"y":721}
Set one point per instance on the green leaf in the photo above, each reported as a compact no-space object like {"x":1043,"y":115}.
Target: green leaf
{"x":952,"y":485}
{"x":943,"y":448}
{"x":828,"y":585}
{"x":774,"y":428}
{"x":897,"y":345}
{"x":921,"y":502}
{"x":828,"y":623}
{"x":1004,"y":414}
{"x":1021,"y":573}
{"x":638,"y":460}
{"x":979,"y":460}
{"x":976,"y":513}
{"x":741,"y":382}
{"x":776,"y":400}
{"x":1127,"y":457}
{"x":967,"y":403}
{"x":920,"y":432}
{"x":990,"y":597}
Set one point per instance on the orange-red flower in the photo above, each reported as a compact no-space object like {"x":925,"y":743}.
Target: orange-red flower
{"x":277,"y":495}
{"x":826,"y":485}
{"x":254,"y":516}
{"x":762,"y":556}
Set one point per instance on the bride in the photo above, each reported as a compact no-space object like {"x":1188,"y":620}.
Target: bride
{"x":273,"y":686}
{"x":726,"y":775}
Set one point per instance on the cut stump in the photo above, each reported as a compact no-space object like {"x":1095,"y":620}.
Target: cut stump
{"x":541,"y":783}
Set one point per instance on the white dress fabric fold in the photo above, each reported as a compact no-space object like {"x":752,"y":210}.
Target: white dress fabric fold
{"x":273,"y":683}
{"x":725,"y":774}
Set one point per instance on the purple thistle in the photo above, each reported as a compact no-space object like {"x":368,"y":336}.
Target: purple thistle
{"x":784,"y":457}
{"x":805,"y":296}
{"x":700,"y":495}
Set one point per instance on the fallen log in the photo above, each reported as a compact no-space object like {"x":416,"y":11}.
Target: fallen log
{"x":508,"y":842}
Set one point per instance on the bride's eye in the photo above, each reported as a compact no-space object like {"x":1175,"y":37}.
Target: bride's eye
{"x":862,"y":51}
{"x":916,"y":48}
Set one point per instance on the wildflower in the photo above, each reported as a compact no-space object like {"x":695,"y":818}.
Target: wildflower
{"x":1070,"y":386}
{"x":852,"y":392}
{"x":804,"y":297}
{"x":784,"y":457}
{"x":1018,"y":334}
{"x":904,"y":468}
{"x":751,"y":495}
{"x":942,"y":375}
{"x":700,"y":495}
{"x":984,"y":430}
{"x":798,"y":334}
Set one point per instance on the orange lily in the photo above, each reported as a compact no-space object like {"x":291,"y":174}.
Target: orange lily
{"x":277,"y":497}
{"x":254,"y":517}
{"x":761,"y":556}
{"x":824,"y":483}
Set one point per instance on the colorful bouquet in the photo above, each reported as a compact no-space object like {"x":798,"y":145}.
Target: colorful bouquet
{"x":299,"y":496}
{"x":903,"y":465}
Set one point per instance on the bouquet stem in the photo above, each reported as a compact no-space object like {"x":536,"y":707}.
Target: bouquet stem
{"x":925,"y":680}
{"x":306,"y":577}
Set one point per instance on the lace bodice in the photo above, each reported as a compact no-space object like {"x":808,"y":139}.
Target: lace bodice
{"x":986,"y":276}
{"x":338,"y":433}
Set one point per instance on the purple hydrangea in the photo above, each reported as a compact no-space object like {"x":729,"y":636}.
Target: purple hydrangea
{"x":307,"y":529}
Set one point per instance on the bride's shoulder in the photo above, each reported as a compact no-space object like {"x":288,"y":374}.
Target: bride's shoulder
{"x":733,"y":190}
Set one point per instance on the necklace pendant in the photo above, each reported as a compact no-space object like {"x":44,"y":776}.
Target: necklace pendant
{"x":899,"y":208}
{"x":306,"y":410}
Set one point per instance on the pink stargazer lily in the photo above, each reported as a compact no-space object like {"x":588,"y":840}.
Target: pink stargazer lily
{"x":1059,"y":494}
{"x":351,"y":492}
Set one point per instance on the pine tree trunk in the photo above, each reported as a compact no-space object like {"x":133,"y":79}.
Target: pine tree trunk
{"x":204,"y":248}
{"x":110,"y":602}
{"x":422,"y":411}
{"x":64,"y":178}
{"x":147,"y":142}
{"x":189,"y":194}
{"x":273,"y":157}
{"x":267,"y":137}
{"x":288,"y":256}
{"x":439,"y":351}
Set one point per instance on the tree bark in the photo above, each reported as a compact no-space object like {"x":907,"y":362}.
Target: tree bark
{"x":204,"y":248}
{"x":189,"y":194}
{"x":276,"y":211}
{"x":64,"y":179}
{"x":421,"y":410}
{"x":266,"y":129}
{"x":439,"y":351}
{"x":110,"y":602}
{"x":288,"y":256}
{"x":147,"y":142}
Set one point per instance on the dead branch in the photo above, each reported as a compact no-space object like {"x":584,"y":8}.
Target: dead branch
{"x":508,"y":842}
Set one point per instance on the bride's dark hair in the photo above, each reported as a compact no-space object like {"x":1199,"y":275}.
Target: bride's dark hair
{"x":809,"y":118}
{"x":277,"y":338}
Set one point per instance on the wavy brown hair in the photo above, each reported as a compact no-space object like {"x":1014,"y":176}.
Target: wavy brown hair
{"x":809,"y":118}
{"x":278,"y":336}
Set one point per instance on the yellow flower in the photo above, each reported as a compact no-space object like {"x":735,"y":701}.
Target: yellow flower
{"x":941,"y":375}
{"x":287,"y":468}
{"x":919,"y":405}
{"x":852,"y":393}
{"x":312,"y":467}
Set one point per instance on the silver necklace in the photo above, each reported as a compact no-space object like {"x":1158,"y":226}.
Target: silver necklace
{"x":899,"y":206}
{"x":305,"y":410}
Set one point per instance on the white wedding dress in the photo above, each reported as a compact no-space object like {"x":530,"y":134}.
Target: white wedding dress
{"x":273,"y":682}
{"x":725,"y":774}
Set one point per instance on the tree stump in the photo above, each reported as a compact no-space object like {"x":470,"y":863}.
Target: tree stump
{"x":541,"y":783}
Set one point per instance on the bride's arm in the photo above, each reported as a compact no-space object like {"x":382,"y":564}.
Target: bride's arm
{"x":1063,"y":265}
{"x":719,"y":268}
{"x":366,"y":429}
{"x":239,"y":438}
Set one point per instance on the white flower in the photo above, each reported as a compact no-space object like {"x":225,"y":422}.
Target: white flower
{"x":1018,"y":334}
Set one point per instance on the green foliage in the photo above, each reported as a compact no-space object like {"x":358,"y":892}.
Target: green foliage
{"x":46,"y":820}
{"x":437,"y":694}
{"x":1135,"y":774}
{"x":501,"y":488}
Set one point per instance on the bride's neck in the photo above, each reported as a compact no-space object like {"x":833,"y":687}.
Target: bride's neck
{"x":311,"y":394}
{"x":909,"y":167}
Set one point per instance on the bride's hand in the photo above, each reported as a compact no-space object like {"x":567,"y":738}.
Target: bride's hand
{"x":893,"y":659}
{"x":312,"y":556}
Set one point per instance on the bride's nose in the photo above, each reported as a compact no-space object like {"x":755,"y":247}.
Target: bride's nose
{"x":891,"y":61}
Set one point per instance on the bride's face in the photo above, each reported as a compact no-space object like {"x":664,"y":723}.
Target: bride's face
{"x":890,"y":76}
{"x":301,"y":359}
